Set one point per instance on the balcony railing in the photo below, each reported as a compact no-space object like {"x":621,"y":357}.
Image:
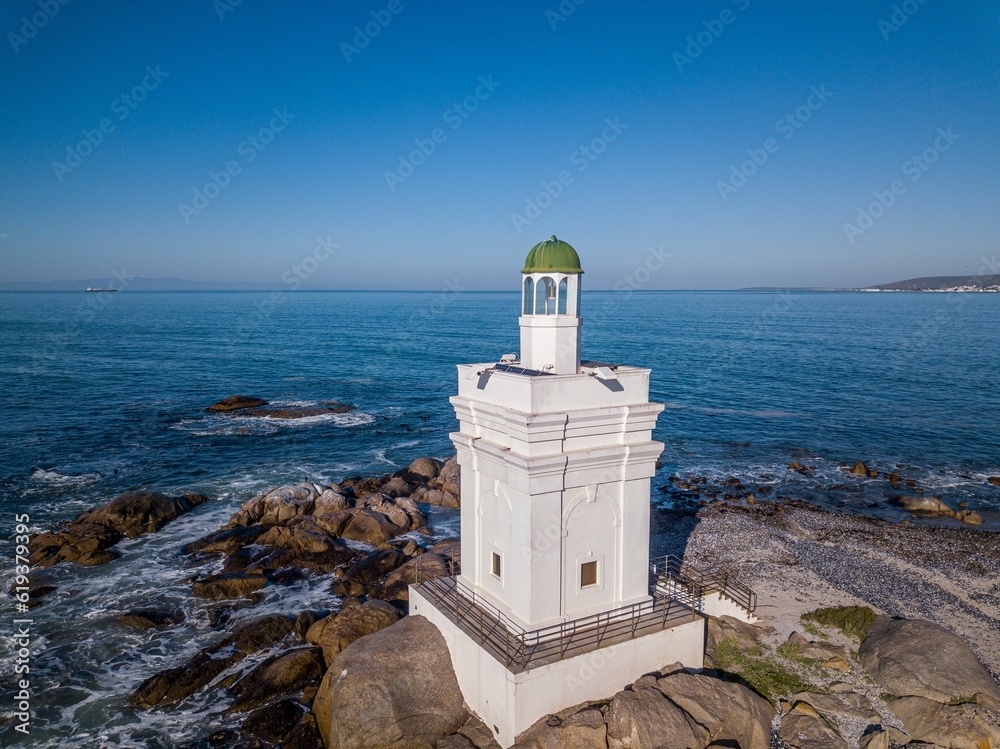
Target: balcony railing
{"x":675,"y":575}
{"x":520,"y":650}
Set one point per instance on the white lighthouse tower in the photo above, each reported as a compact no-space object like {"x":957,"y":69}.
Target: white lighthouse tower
{"x":553,"y":605}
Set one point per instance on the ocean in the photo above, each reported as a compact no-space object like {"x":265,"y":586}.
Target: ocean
{"x":102,"y":393}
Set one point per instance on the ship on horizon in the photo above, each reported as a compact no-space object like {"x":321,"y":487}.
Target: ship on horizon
{"x":91,"y":289}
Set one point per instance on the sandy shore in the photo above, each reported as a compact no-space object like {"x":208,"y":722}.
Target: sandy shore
{"x":799,"y":558}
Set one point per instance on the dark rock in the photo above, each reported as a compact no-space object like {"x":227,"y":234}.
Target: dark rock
{"x":279,"y":676}
{"x":395,"y":685}
{"x":274,"y":722}
{"x":135,"y":513}
{"x":859,"y":469}
{"x":300,"y":412}
{"x":428,"y":566}
{"x":175,"y":684}
{"x":225,"y":541}
{"x":305,"y":735}
{"x":236,"y":403}
{"x":994,"y":480}
{"x":233,"y":585}
{"x":151,"y":618}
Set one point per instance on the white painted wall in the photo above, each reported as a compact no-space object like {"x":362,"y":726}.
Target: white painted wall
{"x":511,"y":703}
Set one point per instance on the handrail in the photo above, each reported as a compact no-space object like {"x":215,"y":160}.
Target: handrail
{"x":519,"y":649}
{"x":711,"y":580}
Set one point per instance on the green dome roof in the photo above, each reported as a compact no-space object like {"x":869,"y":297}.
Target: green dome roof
{"x":552,"y":255}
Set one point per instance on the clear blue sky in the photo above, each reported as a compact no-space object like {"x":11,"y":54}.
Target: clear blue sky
{"x":683,"y":125}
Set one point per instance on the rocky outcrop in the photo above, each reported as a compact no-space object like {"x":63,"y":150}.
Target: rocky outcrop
{"x":151,"y":618}
{"x":686,"y":709}
{"x":580,"y":727}
{"x":236,"y":403}
{"x":299,"y":412}
{"x":931,"y":506}
{"x":395,"y":688}
{"x":176,"y":684}
{"x":229,"y":585}
{"x":913,"y":657}
{"x":337,"y":631}
{"x":805,"y":728}
{"x":444,"y":488}
{"x":88,"y":539}
{"x":963,"y":726}
{"x":283,"y":674}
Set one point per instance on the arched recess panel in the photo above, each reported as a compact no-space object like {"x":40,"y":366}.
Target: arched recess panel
{"x":590,"y":553}
{"x":495,"y":557}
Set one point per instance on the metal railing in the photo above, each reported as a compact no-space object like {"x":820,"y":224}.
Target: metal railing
{"x":519,"y":650}
{"x":702,"y":582}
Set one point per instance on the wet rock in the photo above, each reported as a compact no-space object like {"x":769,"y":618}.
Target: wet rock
{"x":859,"y":469}
{"x":306,"y":619}
{"x":805,"y":728}
{"x":336,"y":632}
{"x":232,"y":585}
{"x":370,"y":569}
{"x":151,"y":618}
{"x":994,"y":480}
{"x":236,"y":403}
{"x":305,"y":735}
{"x":394,"y":685}
{"x":225,"y":541}
{"x":300,"y":412}
{"x":969,"y":517}
{"x":274,"y":723}
{"x":923,"y":505}
{"x":580,"y":727}
{"x":953,"y":726}
{"x":88,"y":539}
{"x":913,"y":657}
{"x":282,"y":675}
{"x":175,"y":684}
{"x":134,"y":513}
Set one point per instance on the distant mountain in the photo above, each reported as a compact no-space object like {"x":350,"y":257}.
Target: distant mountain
{"x":136,"y":284}
{"x":942,"y":283}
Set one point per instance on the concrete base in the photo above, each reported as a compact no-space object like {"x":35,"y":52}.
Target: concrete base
{"x":511,"y":703}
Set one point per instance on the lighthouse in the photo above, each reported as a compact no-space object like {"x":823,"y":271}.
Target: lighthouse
{"x":555,"y":604}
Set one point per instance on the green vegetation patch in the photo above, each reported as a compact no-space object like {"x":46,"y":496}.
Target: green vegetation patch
{"x":853,"y":621}
{"x":766,"y":676}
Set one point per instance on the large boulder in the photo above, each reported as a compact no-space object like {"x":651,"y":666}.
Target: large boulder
{"x":726,"y":710}
{"x":231,"y":585}
{"x":236,"y":403}
{"x":336,"y":632}
{"x":88,"y":539}
{"x":914,"y":657}
{"x":923,"y":505}
{"x":175,"y":684}
{"x":645,"y":719}
{"x":951,"y":726}
{"x":278,"y":505}
{"x":444,"y":489}
{"x":395,"y":688}
{"x":805,"y":728}
{"x":580,"y":727}
{"x":135,"y":513}
{"x":278,"y":676}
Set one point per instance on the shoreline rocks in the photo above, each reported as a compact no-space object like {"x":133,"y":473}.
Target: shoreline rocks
{"x":88,"y":539}
{"x":236,"y":403}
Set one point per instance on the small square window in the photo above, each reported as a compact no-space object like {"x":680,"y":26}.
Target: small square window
{"x":496,"y":565}
{"x":588,"y":574}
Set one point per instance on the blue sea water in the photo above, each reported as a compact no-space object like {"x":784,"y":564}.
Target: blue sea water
{"x":104,"y":393}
